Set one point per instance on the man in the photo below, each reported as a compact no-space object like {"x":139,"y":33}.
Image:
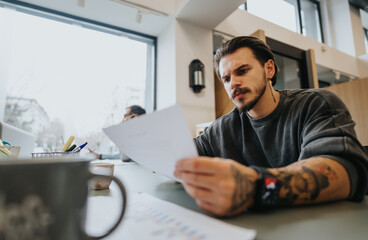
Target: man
{"x":131,"y":112}
{"x":275,"y":148}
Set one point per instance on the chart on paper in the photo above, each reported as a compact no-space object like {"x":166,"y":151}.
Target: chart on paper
{"x":148,"y":217}
{"x":160,"y":224}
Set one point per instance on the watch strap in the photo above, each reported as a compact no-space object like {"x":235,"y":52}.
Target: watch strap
{"x":267,"y":189}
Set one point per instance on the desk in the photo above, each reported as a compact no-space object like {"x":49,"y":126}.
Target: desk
{"x":339,"y":220}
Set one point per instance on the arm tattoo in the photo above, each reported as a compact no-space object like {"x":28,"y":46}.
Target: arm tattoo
{"x":244,"y":190}
{"x":304,"y":184}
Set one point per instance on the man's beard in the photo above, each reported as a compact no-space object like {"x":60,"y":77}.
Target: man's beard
{"x":250,"y":105}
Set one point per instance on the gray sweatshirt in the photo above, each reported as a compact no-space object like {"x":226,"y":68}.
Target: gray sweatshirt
{"x":306,"y":123}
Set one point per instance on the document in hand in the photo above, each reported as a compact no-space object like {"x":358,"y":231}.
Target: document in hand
{"x":156,"y":141}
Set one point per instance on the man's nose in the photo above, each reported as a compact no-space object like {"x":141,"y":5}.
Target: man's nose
{"x":235,"y":82}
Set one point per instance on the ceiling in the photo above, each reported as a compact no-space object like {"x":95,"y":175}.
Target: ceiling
{"x":125,"y":13}
{"x":329,"y":76}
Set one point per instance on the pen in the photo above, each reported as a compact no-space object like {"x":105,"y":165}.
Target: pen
{"x":71,"y":148}
{"x":68,"y":143}
{"x":80,"y":147}
{"x":5,"y":143}
{"x":4,"y":150}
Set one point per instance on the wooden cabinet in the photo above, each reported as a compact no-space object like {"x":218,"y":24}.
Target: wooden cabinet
{"x":354,"y":94}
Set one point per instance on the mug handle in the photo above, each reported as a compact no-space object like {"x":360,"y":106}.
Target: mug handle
{"x":123,"y":192}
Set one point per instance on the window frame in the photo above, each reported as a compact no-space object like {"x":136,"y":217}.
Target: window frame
{"x":365,"y":30}
{"x":316,"y":3}
{"x":151,"y":41}
{"x":300,"y":16}
{"x":286,"y":50}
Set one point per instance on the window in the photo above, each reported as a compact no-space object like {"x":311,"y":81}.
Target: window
{"x":311,"y":20}
{"x":68,"y":77}
{"x":364,"y":18}
{"x":288,"y":74}
{"x":301,"y":16}
{"x":293,"y":65}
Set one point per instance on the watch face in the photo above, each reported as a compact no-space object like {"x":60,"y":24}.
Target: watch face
{"x":270,"y":183}
{"x":269,"y":192}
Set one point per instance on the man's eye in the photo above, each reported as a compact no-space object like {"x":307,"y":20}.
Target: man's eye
{"x":225,"y":80}
{"x":242,"y":71}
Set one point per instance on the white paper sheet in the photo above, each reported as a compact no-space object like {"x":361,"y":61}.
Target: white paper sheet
{"x":156,"y":141}
{"x":151,"y":218}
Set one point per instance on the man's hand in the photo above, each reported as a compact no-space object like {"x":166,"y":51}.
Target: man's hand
{"x":220,"y":186}
{"x":97,"y":155}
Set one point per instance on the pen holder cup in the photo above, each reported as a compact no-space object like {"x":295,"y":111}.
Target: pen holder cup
{"x":55,"y":155}
{"x":13,"y":150}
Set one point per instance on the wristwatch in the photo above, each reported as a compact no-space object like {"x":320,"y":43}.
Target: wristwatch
{"x":267,"y":189}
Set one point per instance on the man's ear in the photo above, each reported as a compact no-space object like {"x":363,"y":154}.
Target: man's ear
{"x":270,"y":69}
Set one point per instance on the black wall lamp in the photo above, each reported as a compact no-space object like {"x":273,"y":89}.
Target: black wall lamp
{"x":196,"y":75}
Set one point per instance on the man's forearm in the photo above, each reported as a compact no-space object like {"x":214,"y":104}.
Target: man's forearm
{"x":312,"y":180}
{"x":224,"y":187}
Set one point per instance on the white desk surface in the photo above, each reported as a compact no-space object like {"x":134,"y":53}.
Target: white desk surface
{"x":338,"y":220}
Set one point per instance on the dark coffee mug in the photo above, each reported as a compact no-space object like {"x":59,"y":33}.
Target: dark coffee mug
{"x":46,"y":199}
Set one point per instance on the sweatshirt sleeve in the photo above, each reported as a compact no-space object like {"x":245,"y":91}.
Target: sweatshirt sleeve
{"x":329,"y":124}
{"x":110,"y":156}
{"x":203,"y":145}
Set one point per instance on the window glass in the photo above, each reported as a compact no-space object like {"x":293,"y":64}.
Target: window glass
{"x":310,"y":20}
{"x":283,"y":13}
{"x":301,"y":16}
{"x":63,"y":79}
{"x":288,"y":73}
{"x":364,"y":18}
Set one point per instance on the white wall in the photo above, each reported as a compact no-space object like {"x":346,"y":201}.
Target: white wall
{"x":194,"y":42}
{"x":166,"y":6}
{"x":342,"y":37}
{"x":181,"y":43}
{"x":166,"y":68}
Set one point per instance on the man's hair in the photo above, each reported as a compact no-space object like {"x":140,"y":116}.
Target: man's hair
{"x":260,"y":50}
{"x":135,"y":109}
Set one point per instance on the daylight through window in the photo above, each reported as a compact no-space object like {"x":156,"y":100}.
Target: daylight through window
{"x":64,"y":79}
{"x":301,"y":16}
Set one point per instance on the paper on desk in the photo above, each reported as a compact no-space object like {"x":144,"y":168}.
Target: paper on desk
{"x":156,"y":141}
{"x":148,"y":217}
